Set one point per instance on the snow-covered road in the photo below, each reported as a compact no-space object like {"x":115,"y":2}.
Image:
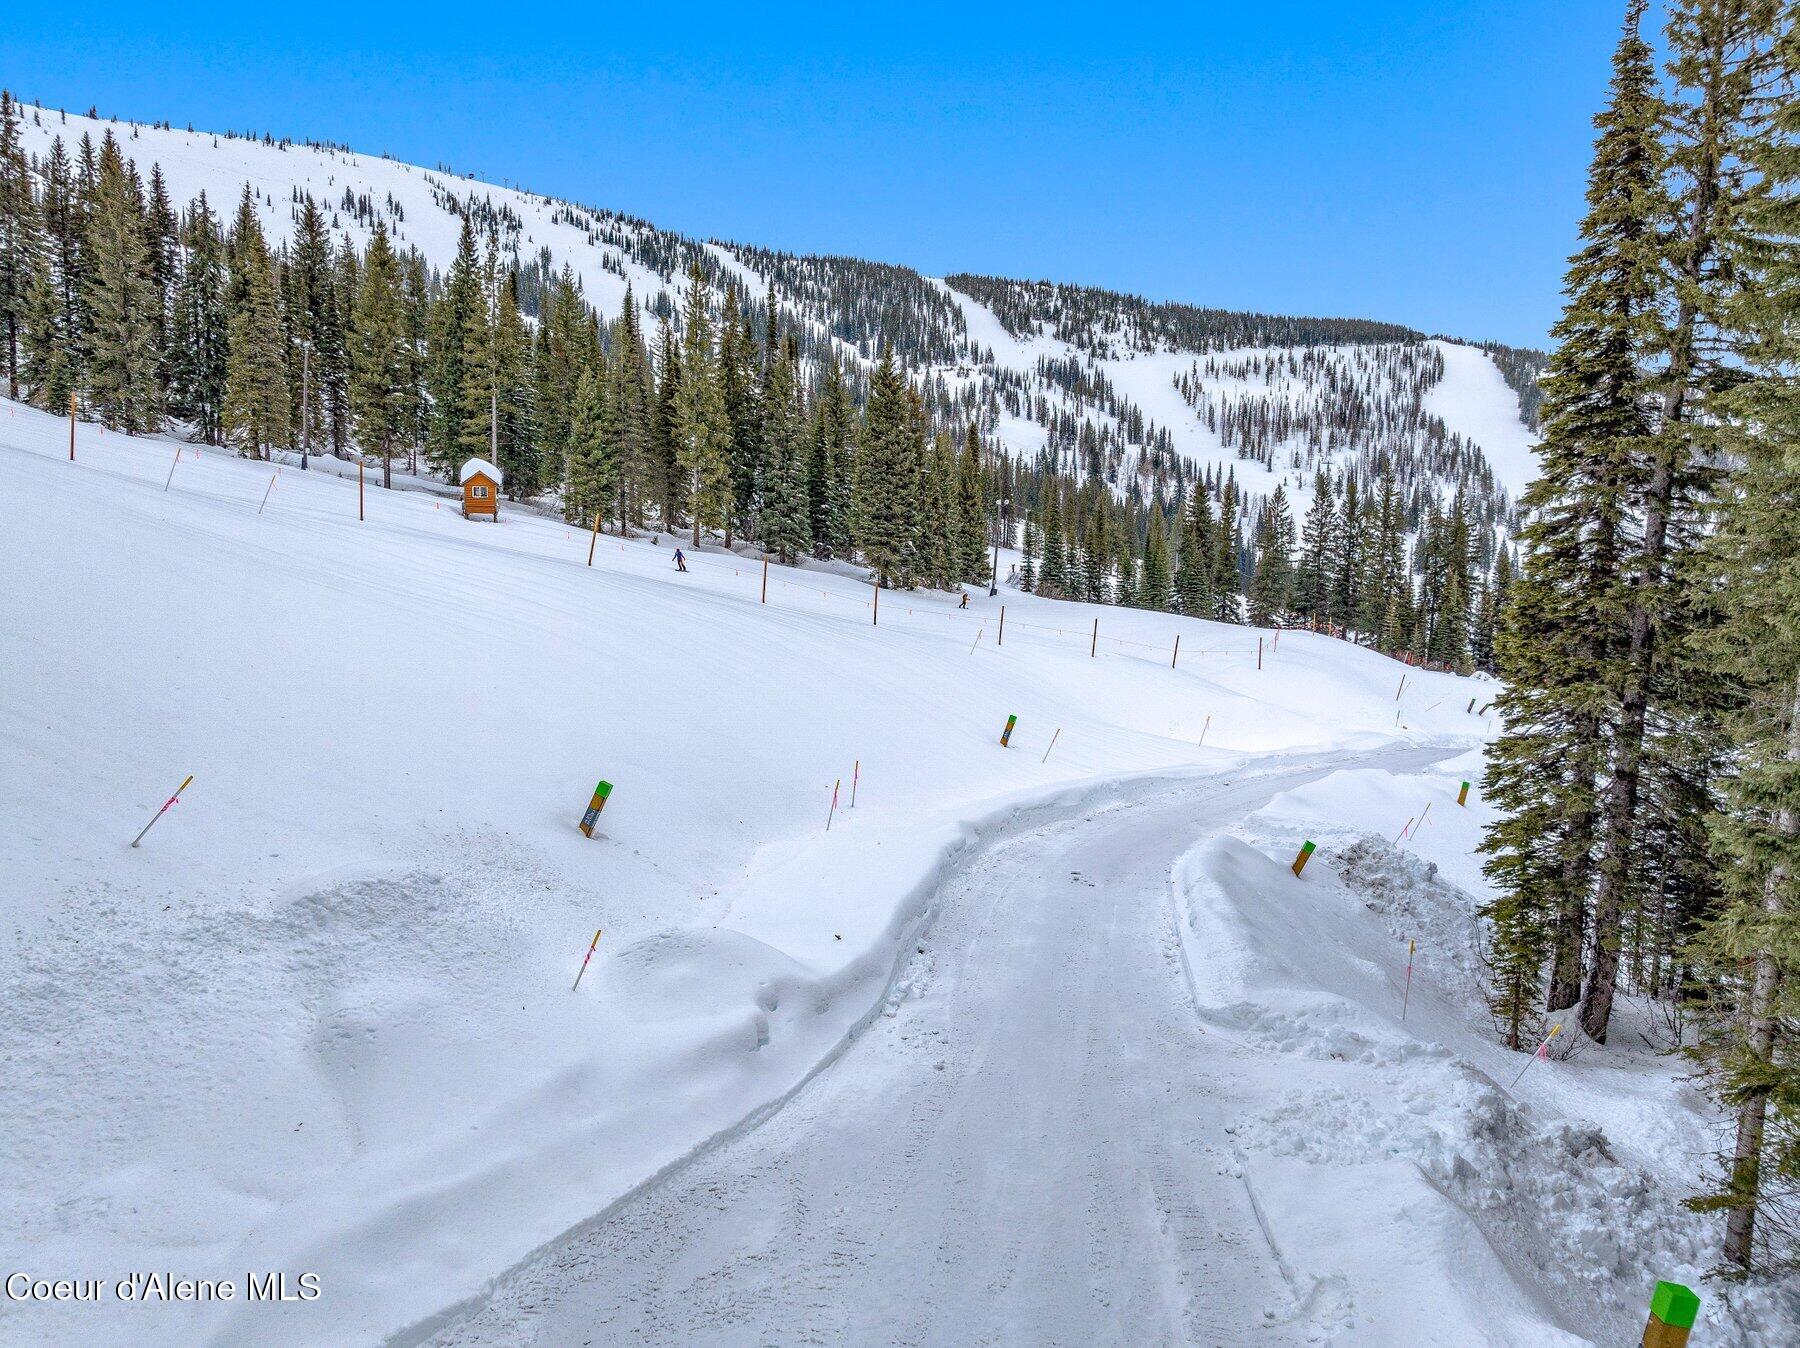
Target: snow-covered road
{"x":1030,"y":1146}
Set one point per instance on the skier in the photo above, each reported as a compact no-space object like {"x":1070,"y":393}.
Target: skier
{"x":965,"y":600}
{"x":680,"y":561}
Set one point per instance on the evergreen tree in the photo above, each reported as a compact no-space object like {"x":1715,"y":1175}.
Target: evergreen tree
{"x":448,"y":358}
{"x":1557,"y":644}
{"x":380,"y":367}
{"x":971,"y":512}
{"x":1153,"y":587}
{"x":834,"y":472}
{"x":254,"y":415}
{"x":785,"y":527}
{"x":199,"y":327}
{"x":666,"y":485}
{"x":592,"y":449}
{"x":737,"y":378}
{"x":1271,"y":585}
{"x":1752,"y":945}
{"x":1720,"y":64}
{"x":21,"y":247}
{"x":120,"y":301}
{"x":702,"y":431}
{"x":1313,"y":578}
{"x":1193,"y":572}
{"x":1227,"y":582}
{"x":887,"y":478}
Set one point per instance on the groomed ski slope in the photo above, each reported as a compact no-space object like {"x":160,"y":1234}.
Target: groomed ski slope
{"x":417,"y":204}
{"x":321,"y":1021}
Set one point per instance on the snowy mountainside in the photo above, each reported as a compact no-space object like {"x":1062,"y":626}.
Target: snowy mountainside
{"x":1088,"y":374}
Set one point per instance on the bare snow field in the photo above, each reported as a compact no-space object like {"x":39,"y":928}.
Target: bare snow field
{"x":321,"y":1021}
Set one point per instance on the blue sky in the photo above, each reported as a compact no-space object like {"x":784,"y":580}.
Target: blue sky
{"x":1418,"y":162}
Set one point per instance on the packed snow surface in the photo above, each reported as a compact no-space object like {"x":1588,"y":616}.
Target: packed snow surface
{"x":322,"y":1020}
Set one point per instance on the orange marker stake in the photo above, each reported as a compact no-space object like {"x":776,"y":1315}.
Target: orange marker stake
{"x":834,"y":799}
{"x":268,"y":489}
{"x":584,"y":961}
{"x":855,"y":773}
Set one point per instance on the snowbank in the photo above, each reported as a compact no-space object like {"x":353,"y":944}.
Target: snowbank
{"x":321,"y":1021}
{"x":1404,"y":1165}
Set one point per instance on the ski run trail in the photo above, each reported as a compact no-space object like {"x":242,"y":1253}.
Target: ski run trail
{"x":1034,"y":1044}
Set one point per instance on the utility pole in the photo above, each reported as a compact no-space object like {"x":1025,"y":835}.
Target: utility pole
{"x":999,"y":529}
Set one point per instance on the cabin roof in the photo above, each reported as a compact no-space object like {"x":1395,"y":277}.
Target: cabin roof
{"x":482,"y":466}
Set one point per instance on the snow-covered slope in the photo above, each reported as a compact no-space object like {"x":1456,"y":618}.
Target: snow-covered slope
{"x":948,"y":336}
{"x":321,"y":1021}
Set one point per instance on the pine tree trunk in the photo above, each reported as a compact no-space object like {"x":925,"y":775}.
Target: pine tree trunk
{"x":1746,"y":1160}
{"x":1571,"y":915}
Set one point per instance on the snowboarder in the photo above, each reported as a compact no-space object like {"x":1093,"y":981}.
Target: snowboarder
{"x":680,"y":561}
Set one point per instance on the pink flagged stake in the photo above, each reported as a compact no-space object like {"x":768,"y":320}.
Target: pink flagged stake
{"x":855,"y":774}
{"x":165,"y":809}
{"x":1543,"y":1051}
{"x":1406,"y":999}
{"x":171,"y":477}
{"x":268,"y":489}
{"x":1053,"y":739}
{"x":834,"y":799}
{"x":584,"y":961}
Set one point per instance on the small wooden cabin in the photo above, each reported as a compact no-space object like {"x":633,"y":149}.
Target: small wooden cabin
{"x":481,"y":489}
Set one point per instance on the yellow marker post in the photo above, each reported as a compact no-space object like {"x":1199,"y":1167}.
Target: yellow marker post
{"x":159,"y":814}
{"x":1462,"y":796}
{"x":1006,"y":734}
{"x":602,"y":793}
{"x":1306,"y":851}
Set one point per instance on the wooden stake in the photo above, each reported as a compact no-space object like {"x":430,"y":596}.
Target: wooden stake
{"x":1673,"y":1310}
{"x":1000,"y":638}
{"x":1094,"y":649}
{"x":584,"y":961}
{"x":875,"y":618}
{"x":1259,"y":642}
{"x":595,"y":538}
{"x":71,"y":425}
{"x":159,"y":814}
{"x":359,"y":489}
{"x":765,"y":587}
{"x":1406,"y":999}
{"x":834,"y":795}
{"x":1401,"y":689}
{"x":973,"y":644}
{"x":171,"y":477}
{"x":855,"y":774}
{"x":1204,"y":729}
{"x":1177,"y":654}
{"x":1046,"y":757}
{"x":268,"y":489}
